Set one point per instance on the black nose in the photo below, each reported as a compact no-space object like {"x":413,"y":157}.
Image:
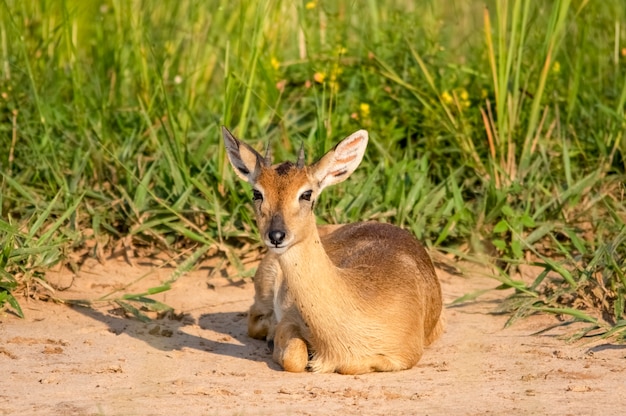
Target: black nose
{"x":276,"y":237}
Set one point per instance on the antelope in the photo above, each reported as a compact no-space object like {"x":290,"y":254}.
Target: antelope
{"x":351,"y":298}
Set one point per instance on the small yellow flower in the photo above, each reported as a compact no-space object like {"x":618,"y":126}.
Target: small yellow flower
{"x":275,"y":63}
{"x":446,"y":97}
{"x":556,"y":68}
{"x":310,"y":5}
{"x":319,"y":77}
{"x":365,"y":110}
{"x":484,"y":93}
{"x":464,"y":98}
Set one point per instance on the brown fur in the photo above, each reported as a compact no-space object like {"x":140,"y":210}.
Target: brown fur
{"x":358,"y":297}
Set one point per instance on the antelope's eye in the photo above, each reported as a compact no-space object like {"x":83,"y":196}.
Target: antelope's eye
{"x":256,"y":195}
{"x":306,"y":195}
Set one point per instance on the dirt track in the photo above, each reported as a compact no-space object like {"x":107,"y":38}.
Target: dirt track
{"x":65,"y":360}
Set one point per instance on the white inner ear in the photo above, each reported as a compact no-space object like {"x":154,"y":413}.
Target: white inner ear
{"x":339,"y":163}
{"x":242,"y":157}
{"x":248,"y":158}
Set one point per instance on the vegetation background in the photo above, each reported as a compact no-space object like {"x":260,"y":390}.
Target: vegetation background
{"x":497,"y":132}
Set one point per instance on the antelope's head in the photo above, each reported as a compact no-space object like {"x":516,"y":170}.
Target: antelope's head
{"x":284,"y":195}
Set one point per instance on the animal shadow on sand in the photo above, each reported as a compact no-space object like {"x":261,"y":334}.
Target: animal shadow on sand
{"x":227,"y":334}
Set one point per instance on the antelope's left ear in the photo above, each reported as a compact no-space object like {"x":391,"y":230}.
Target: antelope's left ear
{"x":244,"y":159}
{"x":339,"y":163}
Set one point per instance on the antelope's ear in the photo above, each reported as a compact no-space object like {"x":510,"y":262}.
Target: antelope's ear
{"x":244,"y":159}
{"x":339,"y":163}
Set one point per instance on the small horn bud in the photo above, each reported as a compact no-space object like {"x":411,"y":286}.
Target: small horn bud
{"x":300,"y":162}
{"x":267,"y":160}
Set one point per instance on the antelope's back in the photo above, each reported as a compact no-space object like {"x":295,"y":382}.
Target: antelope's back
{"x":379,"y":247}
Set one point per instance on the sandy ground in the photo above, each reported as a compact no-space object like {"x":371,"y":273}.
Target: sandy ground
{"x":69,"y":360}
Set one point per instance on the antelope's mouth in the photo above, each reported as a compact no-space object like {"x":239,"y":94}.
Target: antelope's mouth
{"x":277,"y":247}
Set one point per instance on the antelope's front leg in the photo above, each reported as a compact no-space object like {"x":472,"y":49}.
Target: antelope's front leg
{"x":260,"y":322}
{"x":261,"y":317}
{"x":290,"y":349}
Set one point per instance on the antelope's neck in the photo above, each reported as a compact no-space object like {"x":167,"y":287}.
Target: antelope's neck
{"x":314,"y":281}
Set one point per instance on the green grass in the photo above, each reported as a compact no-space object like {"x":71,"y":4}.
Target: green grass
{"x":496,"y":131}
